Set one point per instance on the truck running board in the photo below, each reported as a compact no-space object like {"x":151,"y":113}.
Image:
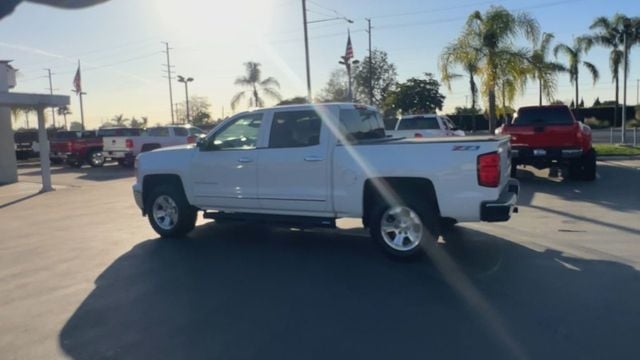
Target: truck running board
{"x":277,"y":220}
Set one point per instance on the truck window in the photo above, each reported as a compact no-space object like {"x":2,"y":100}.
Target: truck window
{"x":240,"y":134}
{"x":361,"y":124}
{"x":106,"y":132}
{"x":419,"y":123}
{"x":295,"y":129}
{"x":158,"y":131}
{"x":178,"y":131}
{"x":195,"y":131}
{"x":543,"y":116}
{"x":66,"y":135}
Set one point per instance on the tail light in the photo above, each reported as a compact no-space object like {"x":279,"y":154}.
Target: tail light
{"x":418,"y":135}
{"x":191,"y":139}
{"x":128,"y":143}
{"x":489,"y":170}
{"x":69,"y":146}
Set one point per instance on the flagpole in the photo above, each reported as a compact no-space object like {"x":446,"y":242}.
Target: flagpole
{"x":81,"y":104}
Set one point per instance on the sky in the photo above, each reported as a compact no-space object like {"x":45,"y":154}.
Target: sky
{"x":119,"y":44}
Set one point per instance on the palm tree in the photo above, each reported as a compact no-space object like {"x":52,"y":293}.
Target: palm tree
{"x":575,"y":54}
{"x":609,"y":33}
{"x":544,"y":70}
{"x":119,"y":120}
{"x":254,"y":85}
{"x":491,"y":37}
{"x":462,"y":54}
{"x":64,"y":111}
{"x":512,"y":80}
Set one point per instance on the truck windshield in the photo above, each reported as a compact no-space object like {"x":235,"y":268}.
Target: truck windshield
{"x":361,"y":124}
{"x":419,"y":123}
{"x":543,"y":116}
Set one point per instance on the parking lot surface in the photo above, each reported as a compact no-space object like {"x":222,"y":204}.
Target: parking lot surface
{"x":82,"y":275}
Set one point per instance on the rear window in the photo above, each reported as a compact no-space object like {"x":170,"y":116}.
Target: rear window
{"x":159,"y":131}
{"x":543,"y":116}
{"x":66,"y":135}
{"x":120,"y":132}
{"x":419,"y":123}
{"x":195,"y":131}
{"x":361,"y":124}
{"x":25,"y":137}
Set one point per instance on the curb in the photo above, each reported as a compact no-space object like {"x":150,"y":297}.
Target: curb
{"x":618,"y":157}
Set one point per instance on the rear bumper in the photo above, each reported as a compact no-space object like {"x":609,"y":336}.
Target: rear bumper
{"x":119,"y":154}
{"x":502,"y":208}
{"x":525,"y":155}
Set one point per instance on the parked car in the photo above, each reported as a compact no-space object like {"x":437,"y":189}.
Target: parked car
{"x":308,"y":165}
{"x":76,"y":148}
{"x":547,"y":136}
{"x":26,"y":144}
{"x":125,"y":148}
{"x":426,"y":125}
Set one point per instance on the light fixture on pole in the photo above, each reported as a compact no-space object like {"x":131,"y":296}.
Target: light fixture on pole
{"x":306,"y":40}
{"x":186,"y":82}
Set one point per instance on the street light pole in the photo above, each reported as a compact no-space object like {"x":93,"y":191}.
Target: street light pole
{"x":186,"y":82}
{"x":370,"y":65}
{"x":306,"y":48}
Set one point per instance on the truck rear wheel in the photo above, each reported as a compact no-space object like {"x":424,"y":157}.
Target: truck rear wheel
{"x":169,"y":212}
{"x":589,"y":165}
{"x":404,"y":229}
{"x":95,"y":158}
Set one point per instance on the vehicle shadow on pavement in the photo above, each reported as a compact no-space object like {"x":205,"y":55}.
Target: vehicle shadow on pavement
{"x":106,"y":173}
{"x":247,"y":292}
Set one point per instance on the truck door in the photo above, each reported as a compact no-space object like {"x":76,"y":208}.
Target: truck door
{"x":293,"y":170}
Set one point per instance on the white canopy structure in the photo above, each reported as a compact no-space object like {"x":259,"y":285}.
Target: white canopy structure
{"x":8,"y":164}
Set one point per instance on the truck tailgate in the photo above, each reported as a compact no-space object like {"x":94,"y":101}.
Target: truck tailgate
{"x":115,"y":143}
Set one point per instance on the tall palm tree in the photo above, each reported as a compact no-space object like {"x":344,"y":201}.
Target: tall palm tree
{"x":575,"y":53}
{"x":462,"y":54}
{"x":64,"y":111}
{"x":119,"y":120}
{"x":491,"y":37}
{"x":254,"y":85}
{"x":544,"y":70}
{"x":512,"y":80}
{"x":609,"y":33}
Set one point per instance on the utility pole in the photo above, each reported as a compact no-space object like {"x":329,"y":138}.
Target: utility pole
{"x":626,"y":26}
{"x":370,"y":64}
{"x":306,"y":48}
{"x":169,"y":76}
{"x":80,"y":93}
{"x":53,"y":111}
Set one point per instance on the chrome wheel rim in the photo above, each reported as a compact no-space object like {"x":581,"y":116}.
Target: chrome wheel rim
{"x":401,"y":228}
{"x":97,"y":158}
{"x":165,"y":212}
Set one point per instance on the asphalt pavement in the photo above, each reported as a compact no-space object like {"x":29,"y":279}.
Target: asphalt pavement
{"x":83,"y":276}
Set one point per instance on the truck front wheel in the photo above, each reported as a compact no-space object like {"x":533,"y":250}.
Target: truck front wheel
{"x":95,"y":158}
{"x":405,"y":228}
{"x":169,"y":212}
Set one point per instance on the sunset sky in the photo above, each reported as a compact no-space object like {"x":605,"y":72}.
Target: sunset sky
{"x":119,"y":44}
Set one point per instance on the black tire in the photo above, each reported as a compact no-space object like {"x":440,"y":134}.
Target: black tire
{"x":56,"y":161}
{"x":75,"y":163}
{"x":186,"y":215}
{"x":95,"y":158}
{"x":428,"y":217}
{"x":589,"y":165}
{"x":126,"y":162}
{"x":575,"y":169}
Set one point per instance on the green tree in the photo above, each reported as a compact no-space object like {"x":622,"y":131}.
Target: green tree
{"x":119,"y":120}
{"x":199,"y":110}
{"x":64,"y":111}
{"x":336,"y":89}
{"x":609,"y":34}
{"x":142,"y":123}
{"x":597,"y":102}
{"x":415,"y":96}
{"x":575,"y":54}
{"x":381,"y":76}
{"x":463,"y":110}
{"x":544,"y":70}
{"x":256,"y":88}
{"x":294,"y":101}
{"x":491,"y":36}
{"x":461,"y":53}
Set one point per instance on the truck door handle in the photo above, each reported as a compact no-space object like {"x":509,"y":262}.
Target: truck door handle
{"x":313,"y":158}
{"x":245,"y":160}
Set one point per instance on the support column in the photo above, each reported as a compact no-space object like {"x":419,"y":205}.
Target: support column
{"x":44,"y":152}
{"x":8,"y":163}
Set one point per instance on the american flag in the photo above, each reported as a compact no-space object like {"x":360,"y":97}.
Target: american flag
{"x":348,"y":54}
{"x":77,"y":82}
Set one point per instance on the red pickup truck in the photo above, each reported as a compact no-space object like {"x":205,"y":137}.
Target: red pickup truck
{"x":548,"y":136}
{"x":76,"y":148}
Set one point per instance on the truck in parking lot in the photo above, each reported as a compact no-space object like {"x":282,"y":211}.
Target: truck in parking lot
{"x":548,"y":136}
{"x":76,"y":148}
{"x":125,"y":147}
{"x":308,"y":165}
{"x":426,"y":125}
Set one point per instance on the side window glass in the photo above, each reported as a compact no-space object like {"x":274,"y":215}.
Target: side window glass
{"x":178,"y":131}
{"x":295,"y":129}
{"x":241,"y":134}
{"x":158,"y":131}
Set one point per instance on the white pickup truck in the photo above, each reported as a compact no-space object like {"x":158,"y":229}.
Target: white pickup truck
{"x":426,"y":125}
{"x":308,"y":165}
{"x":124,"y":149}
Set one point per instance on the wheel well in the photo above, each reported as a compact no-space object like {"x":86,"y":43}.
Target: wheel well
{"x":149,"y":182}
{"x":396,"y":188}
